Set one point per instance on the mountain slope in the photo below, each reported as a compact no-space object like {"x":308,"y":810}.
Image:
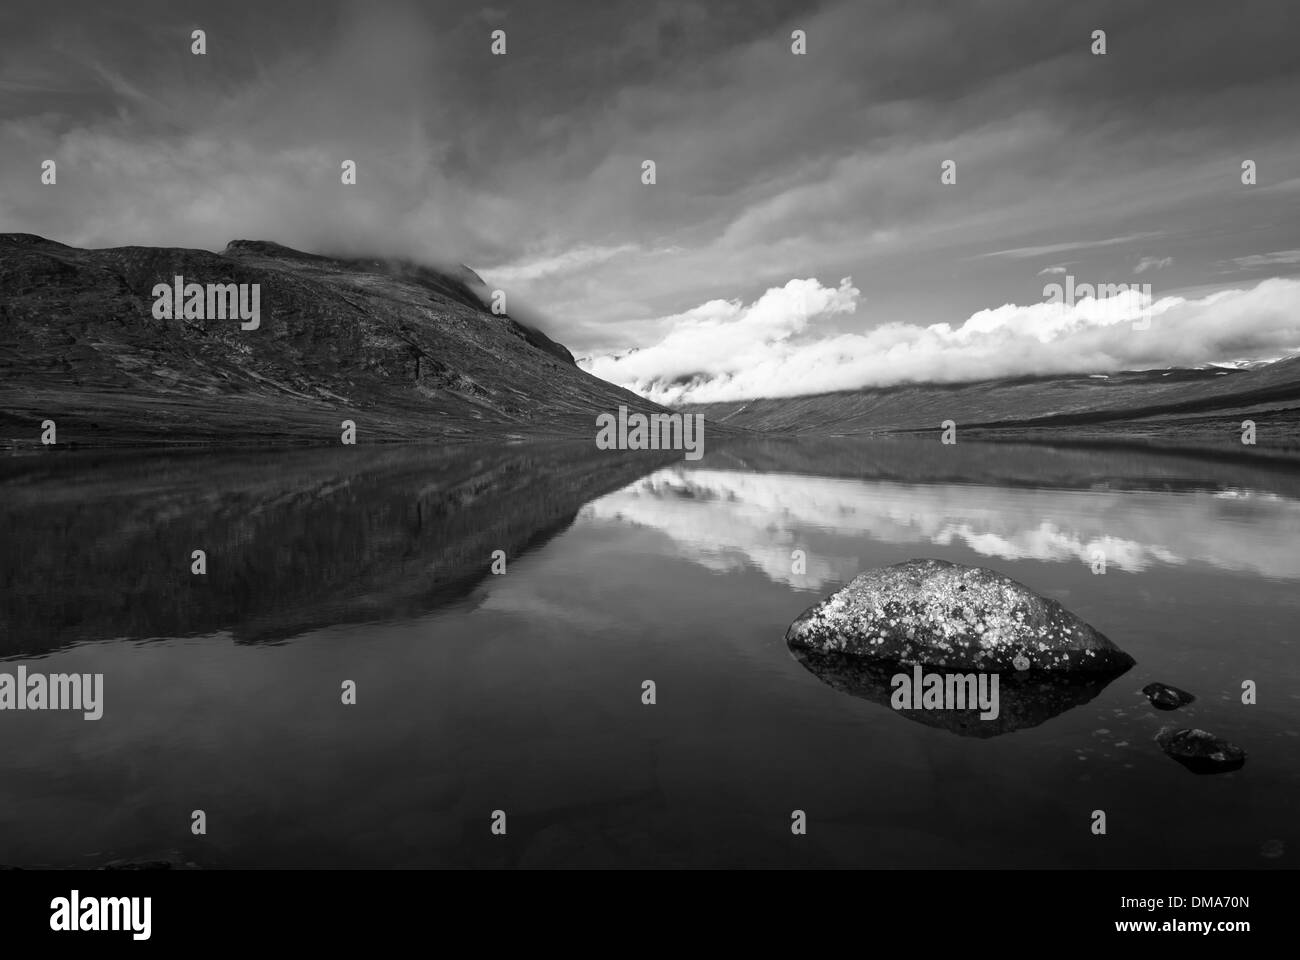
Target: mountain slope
{"x":1175,"y":405}
{"x":405,"y":351}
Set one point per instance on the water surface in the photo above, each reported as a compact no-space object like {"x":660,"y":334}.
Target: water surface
{"x":522,"y":692}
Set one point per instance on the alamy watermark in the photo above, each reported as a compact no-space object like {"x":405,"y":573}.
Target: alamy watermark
{"x":945,"y":691}
{"x":56,"y":691}
{"x":215,"y":301}
{"x":75,"y":913}
{"x":1118,"y":301}
{"x":655,"y":431}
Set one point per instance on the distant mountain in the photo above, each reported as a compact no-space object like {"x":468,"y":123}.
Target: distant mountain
{"x":1239,"y":364}
{"x":405,"y":351}
{"x":1178,"y":406}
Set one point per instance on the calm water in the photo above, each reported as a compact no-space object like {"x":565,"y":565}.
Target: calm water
{"x":522,"y":692}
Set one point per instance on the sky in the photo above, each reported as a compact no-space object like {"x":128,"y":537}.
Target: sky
{"x":797,"y":237}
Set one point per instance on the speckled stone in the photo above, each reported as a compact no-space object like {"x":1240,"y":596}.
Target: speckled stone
{"x":1201,"y":752}
{"x":1165,"y":697}
{"x":943,"y":614}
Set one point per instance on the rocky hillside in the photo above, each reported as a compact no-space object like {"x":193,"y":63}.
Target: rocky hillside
{"x":405,"y":351}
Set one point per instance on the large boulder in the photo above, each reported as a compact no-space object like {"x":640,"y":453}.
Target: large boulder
{"x":942,"y":614}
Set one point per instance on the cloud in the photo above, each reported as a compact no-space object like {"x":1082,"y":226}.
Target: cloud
{"x":1277,"y":258}
{"x":1023,"y":253}
{"x":571,"y":261}
{"x":1283,"y":186}
{"x":1152,"y":263}
{"x":829,"y":164}
{"x":724,"y":350}
{"x":723,"y":339}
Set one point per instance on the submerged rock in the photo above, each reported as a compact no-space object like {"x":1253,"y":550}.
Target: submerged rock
{"x":943,"y":614}
{"x":1201,"y":752}
{"x":1165,"y":697}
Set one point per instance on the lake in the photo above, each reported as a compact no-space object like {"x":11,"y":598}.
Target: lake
{"x":522,"y":691}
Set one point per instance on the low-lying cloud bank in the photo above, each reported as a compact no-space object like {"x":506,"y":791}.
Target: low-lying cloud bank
{"x":725,"y":350}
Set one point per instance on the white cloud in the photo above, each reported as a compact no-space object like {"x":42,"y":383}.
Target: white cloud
{"x":1152,"y":263}
{"x":726,"y":340}
{"x":725,"y":350}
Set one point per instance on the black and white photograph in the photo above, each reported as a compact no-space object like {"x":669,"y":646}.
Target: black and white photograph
{"x":632,"y":436}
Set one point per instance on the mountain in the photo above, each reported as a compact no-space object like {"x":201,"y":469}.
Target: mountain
{"x":410,"y":352}
{"x":405,"y":351}
{"x":1177,"y":406}
{"x":1239,"y":364}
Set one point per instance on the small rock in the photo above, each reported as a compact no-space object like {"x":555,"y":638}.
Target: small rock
{"x":1165,"y":697}
{"x":1201,"y":752}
